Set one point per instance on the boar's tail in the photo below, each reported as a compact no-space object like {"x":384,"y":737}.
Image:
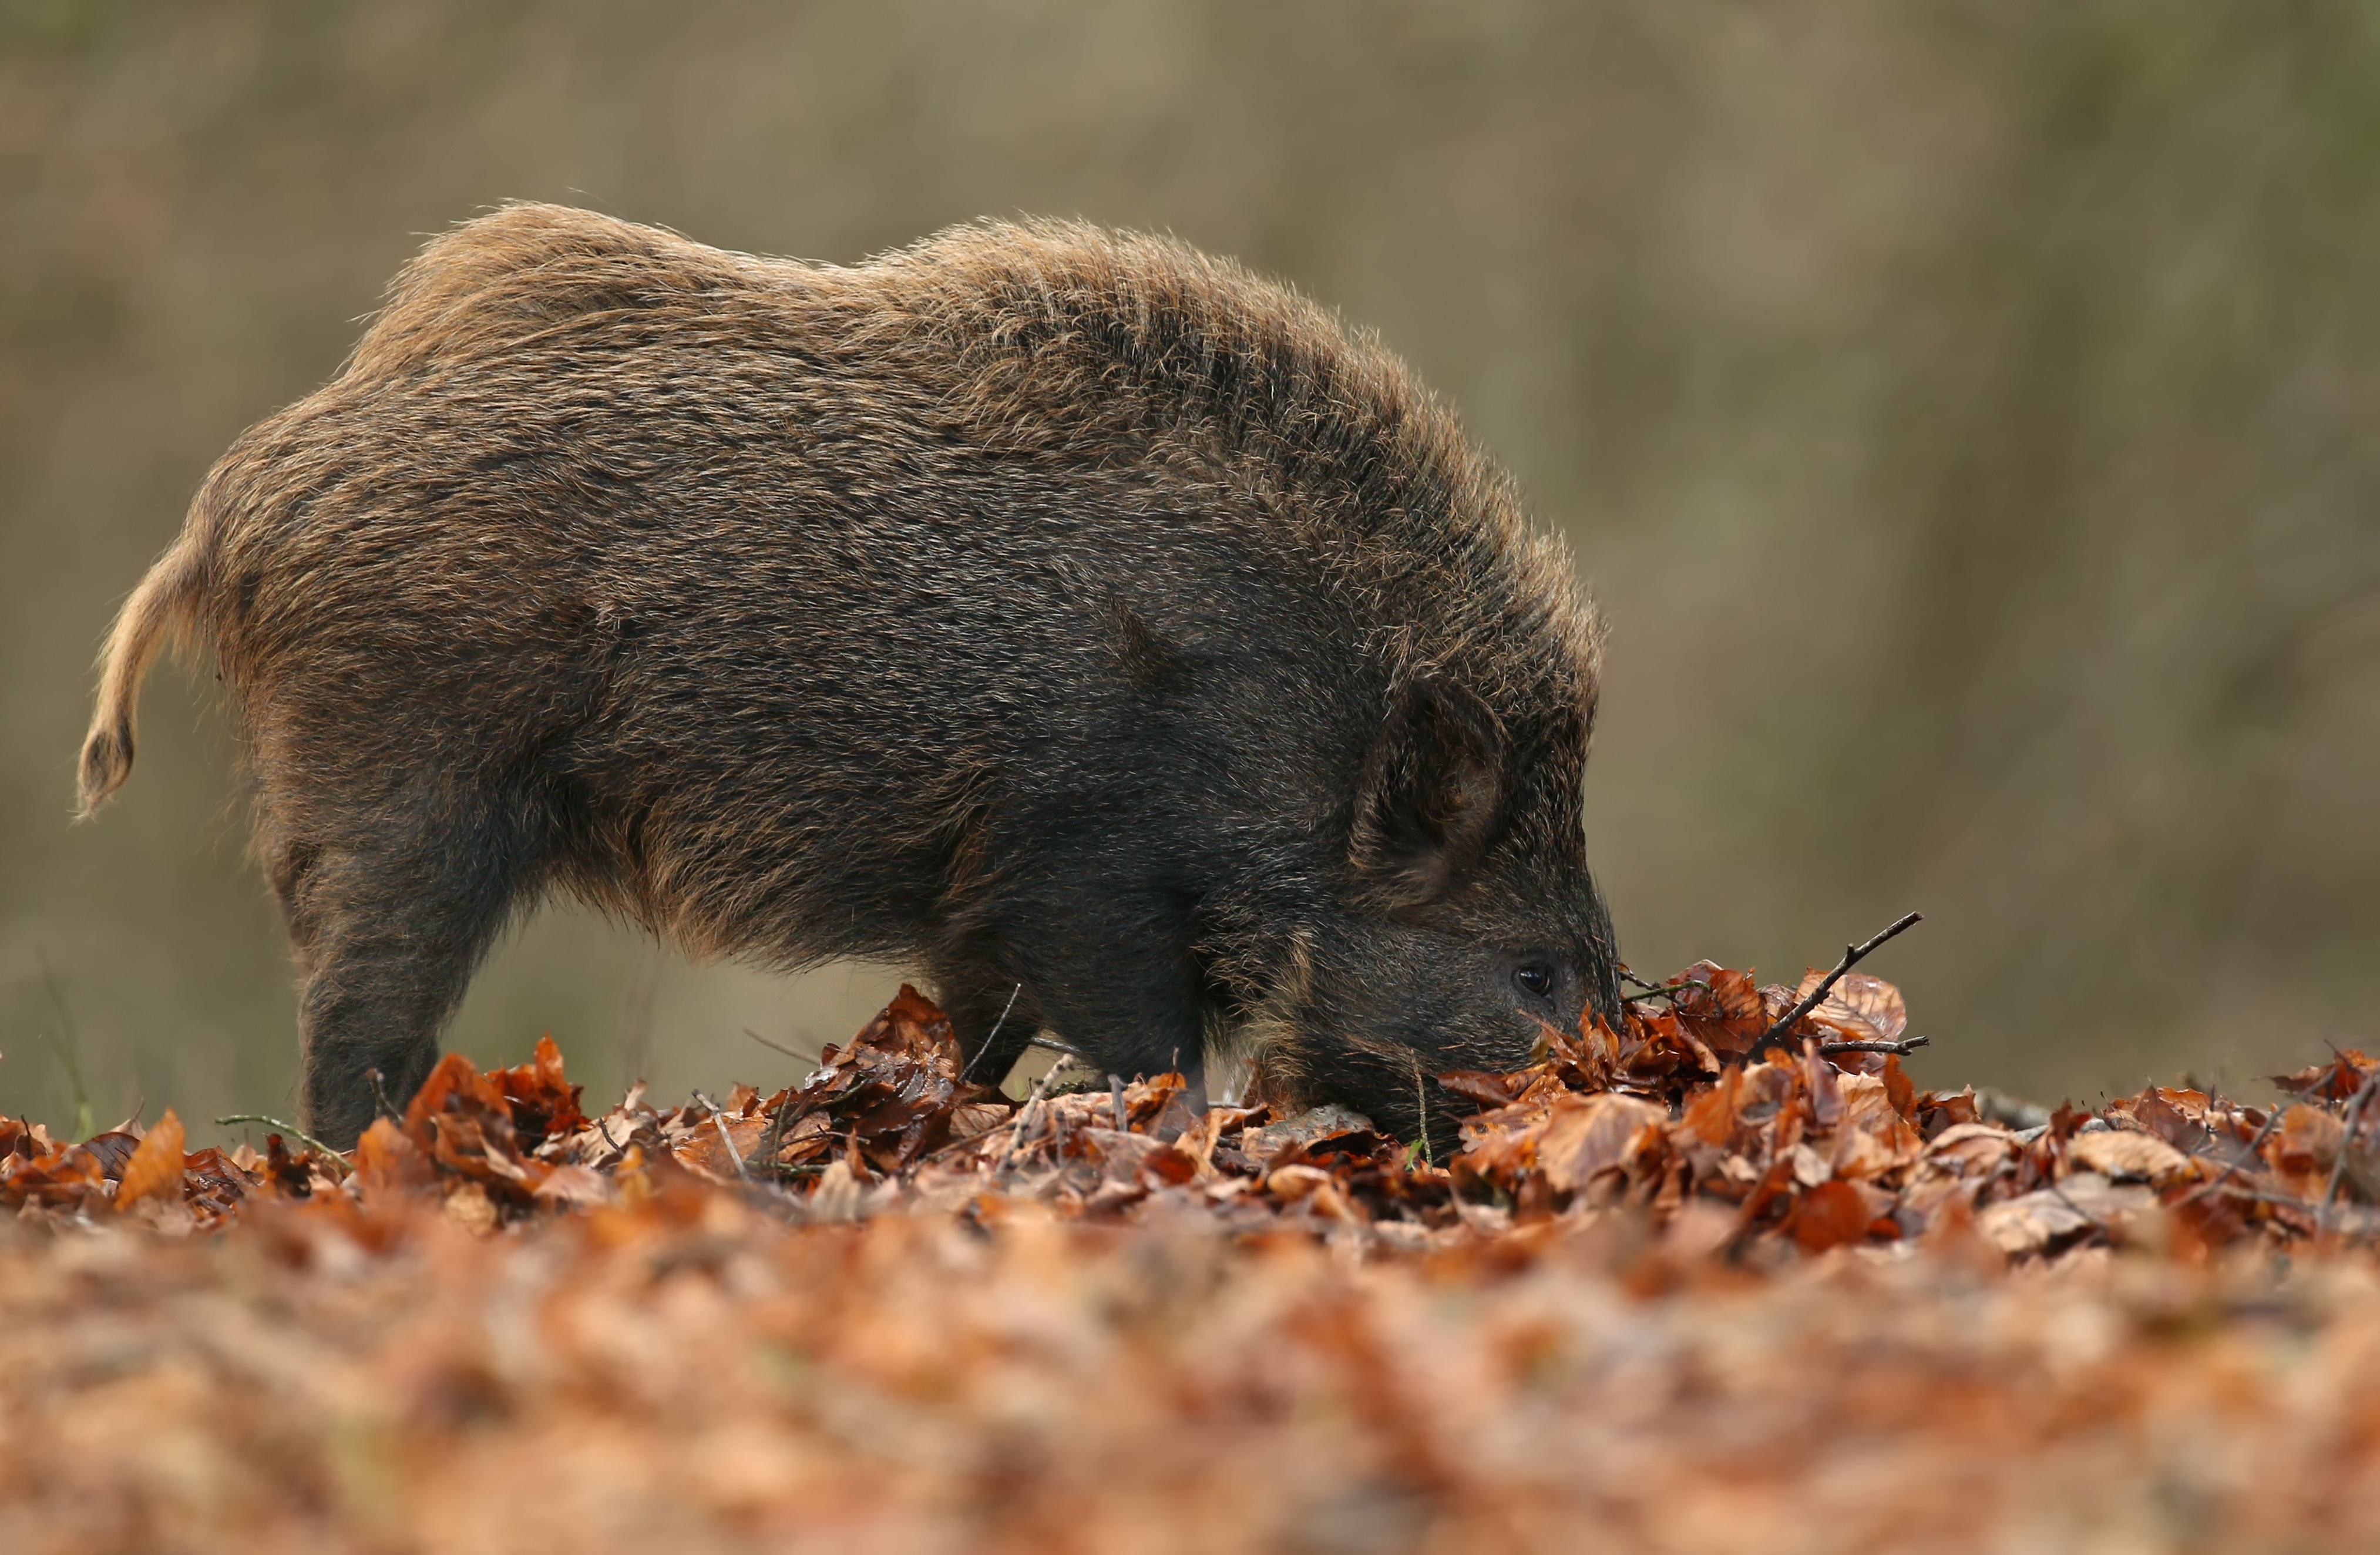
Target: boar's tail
{"x":160,"y":611}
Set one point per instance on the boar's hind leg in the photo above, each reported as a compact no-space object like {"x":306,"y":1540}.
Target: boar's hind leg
{"x":389,"y":913}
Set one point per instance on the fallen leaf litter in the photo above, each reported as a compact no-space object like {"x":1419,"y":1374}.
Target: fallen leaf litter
{"x":1662,"y":1297}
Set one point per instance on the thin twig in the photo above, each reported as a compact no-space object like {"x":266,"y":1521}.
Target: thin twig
{"x":1904,"y":1047}
{"x":719,"y":1121}
{"x":1852,"y":956}
{"x":279,"y":1127}
{"x":2347,"y":1141}
{"x":2224,"y":1176}
{"x":1016,"y":1136}
{"x":67,"y":1051}
{"x":985,"y":1046}
{"x":947,"y":1146}
{"x":1421,"y":1095}
{"x":775,"y":1139}
{"x":1115,"y":1094}
{"x":380,"y":1093}
{"x":799,"y":1057}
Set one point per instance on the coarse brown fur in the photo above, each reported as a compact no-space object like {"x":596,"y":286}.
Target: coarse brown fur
{"x":1074,"y":613}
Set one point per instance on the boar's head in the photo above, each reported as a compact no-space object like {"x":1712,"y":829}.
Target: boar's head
{"x":1472,"y":921}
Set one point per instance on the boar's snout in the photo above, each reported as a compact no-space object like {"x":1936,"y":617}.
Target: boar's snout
{"x":1476,"y":923}
{"x":1392,"y":1004}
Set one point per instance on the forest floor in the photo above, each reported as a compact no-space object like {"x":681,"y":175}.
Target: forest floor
{"x":1722,"y":1279}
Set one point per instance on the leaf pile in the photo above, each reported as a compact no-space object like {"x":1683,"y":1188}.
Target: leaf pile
{"x":1666,"y":1296}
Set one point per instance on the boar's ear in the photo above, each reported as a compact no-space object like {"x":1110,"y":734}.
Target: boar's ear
{"x":1426,"y":804}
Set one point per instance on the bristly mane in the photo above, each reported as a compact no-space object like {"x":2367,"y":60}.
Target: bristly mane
{"x":1067,"y":336}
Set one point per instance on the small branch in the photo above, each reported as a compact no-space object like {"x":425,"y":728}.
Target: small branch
{"x":1669,"y":990}
{"x":2224,"y":1176}
{"x":1902,"y":1047}
{"x":719,"y":1121}
{"x":1852,"y":955}
{"x":1016,"y":1136}
{"x":380,"y":1095}
{"x":279,"y":1127}
{"x":968,"y":1072}
{"x":1115,"y":1094}
{"x":775,"y":1139}
{"x":802,"y":1058}
{"x":960,"y":1143}
{"x":1421,"y":1095}
{"x":67,"y":1051}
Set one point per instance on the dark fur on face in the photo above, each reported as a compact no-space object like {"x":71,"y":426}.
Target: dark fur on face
{"x":1064,"y":609}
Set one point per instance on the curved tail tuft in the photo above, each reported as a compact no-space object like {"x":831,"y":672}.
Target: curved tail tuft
{"x":159,"y":610}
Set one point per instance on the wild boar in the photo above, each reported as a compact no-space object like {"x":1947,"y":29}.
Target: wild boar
{"x":1082,"y":618}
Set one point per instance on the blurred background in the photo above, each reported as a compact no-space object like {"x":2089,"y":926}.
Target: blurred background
{"x":1967,"y":413}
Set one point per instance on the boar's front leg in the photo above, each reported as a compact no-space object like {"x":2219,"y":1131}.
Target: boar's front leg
{"x":390,"y":907}
{"x":1115,"y":977}
{"x":992,"y":1015}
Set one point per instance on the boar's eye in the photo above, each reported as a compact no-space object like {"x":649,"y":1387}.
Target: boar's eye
{"x":1535,"y":980}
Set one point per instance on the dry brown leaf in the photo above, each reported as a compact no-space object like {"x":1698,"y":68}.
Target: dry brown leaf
{"x":1587,"y":1135}
{"x":1861,"y":1154}
{"x":154,"y":1168}
{"x":2122,"y":1153}
{"x":1972,"y":1148}
{"x":2334,"y":1081}
{"x":469,"y":1206}
{"x":1711,"y":1116}
{"x":1720,"y":1007}
{"x":2107,"y":1203}
{"x":1866,"y":1104}
{"x":1863,"y":1008}
{"x":2302,"y":1148}
{"x":1827,"y":1216}
{"x":2030,"y":1223}
{"x":575,"y":1184}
